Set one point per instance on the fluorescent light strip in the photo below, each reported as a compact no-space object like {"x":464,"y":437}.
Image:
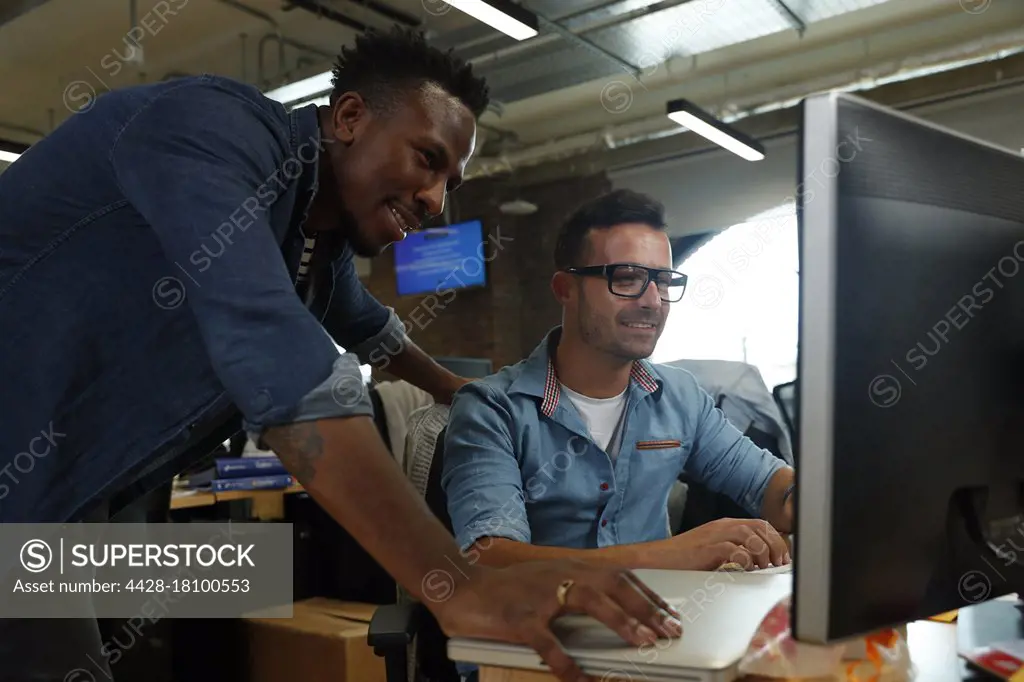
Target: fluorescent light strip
{"x":307,"y":87}
{"x":9,"y":157}
{"x":719,"y":137}
{"x":495,"y":18}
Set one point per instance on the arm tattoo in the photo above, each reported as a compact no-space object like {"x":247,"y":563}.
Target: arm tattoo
{"x":299,"y":446}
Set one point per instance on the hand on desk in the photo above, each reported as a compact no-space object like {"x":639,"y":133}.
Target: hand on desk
{"x":517,"y":605}
{"x":751,"y":543}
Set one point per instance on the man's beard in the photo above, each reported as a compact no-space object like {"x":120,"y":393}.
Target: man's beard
{"x":354,"y":236}
{"x":600,"y":334}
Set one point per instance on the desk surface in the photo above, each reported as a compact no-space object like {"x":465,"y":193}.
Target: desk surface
{"x":204,"y":498}
{"x":932,"y":646}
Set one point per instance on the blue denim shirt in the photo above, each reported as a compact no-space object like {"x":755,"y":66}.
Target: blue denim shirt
{"x":520,"y":464}
{"x":149,"y":302}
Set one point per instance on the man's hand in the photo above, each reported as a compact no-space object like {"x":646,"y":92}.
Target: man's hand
{"x":517,"y":605}
{"x":343,"y":464}
{"x":751,"y":543}
{"x":411,"y":364}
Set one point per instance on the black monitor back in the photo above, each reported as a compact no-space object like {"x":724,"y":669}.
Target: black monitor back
{"x":911,"y":380}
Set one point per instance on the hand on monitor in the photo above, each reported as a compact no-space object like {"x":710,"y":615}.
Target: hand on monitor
{"x":750,"y":543}
{"x":517,"y":605}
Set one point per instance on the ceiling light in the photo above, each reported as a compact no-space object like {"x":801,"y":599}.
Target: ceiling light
{"x":307,"y":87}
{"x":503,"y":15}
{"x":694,"y":118}
{"x":9,"y":157}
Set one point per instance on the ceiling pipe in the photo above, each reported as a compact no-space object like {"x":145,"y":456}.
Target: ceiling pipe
{"x":244,"y":61}
{"x":659,"y":126}
{"x":261,"y":77}
{"x":388,"y":12}
{"x":282,"y":41}
{"x":325,"y":12}
{"x":22,"y":129}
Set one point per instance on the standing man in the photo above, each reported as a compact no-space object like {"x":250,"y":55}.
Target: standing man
{"x":174,"y":263}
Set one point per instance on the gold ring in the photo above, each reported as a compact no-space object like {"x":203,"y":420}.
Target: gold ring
{"x":563,"y":591}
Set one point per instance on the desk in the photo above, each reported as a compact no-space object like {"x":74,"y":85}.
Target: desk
{"x":932,"y":646}
{"x":266,"y":504}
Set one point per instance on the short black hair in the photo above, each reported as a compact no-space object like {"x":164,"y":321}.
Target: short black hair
{"x":608,"y":210}
{"x":382,"y":64}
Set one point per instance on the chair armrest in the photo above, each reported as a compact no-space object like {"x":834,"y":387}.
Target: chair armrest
{"x":393,"y":627}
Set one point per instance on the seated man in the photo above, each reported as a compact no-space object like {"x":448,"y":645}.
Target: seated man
{"x":573,"y":451}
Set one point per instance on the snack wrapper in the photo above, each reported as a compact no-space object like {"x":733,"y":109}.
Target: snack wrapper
{"x":774,"y":654}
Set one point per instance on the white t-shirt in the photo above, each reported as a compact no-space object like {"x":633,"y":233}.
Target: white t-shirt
{"x":603,"y":416}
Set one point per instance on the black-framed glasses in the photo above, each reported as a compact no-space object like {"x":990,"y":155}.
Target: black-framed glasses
{"x":629,"y":280}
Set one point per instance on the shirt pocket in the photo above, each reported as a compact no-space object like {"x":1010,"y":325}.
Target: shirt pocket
{"x":660,"y":455}
{"x":659,"y":445}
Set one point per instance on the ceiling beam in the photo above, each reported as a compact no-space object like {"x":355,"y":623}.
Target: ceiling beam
{"x":15,"y":147}
{"x":907,"y":95}
{"x":790,"y":16}
{"x":12,"y":9}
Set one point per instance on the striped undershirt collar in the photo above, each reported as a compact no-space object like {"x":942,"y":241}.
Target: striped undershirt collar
{"x":307,"y":256}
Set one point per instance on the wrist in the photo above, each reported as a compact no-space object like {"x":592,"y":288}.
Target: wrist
{"x":448,"y":578}
{"x":460,"y":592}
{"x":446,"y":388}
{"x":673,"y":553}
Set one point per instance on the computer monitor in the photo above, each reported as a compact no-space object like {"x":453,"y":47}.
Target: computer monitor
{"x":469,"y":368}
{"x":911,"y":370}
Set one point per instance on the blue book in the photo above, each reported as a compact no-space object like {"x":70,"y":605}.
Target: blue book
{"x":277,"y":482}
{"x":236,"y":467}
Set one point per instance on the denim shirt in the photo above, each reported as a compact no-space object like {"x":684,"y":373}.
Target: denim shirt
{"x":149,"y":297}
{"x":520,"y":464}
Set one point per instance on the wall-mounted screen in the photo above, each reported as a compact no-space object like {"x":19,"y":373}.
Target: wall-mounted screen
{"x":440,"y":258}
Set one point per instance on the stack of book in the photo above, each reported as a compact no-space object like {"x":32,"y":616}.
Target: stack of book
{"x":240,"y":473}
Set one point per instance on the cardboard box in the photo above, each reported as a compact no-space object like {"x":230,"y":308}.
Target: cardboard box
{"x":324,"y":641}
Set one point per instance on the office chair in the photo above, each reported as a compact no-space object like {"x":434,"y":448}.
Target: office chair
{"x":405,"y":634}
{"x":703,"y":506}
{"x":379,"y":416}
{"x":785,"y":398}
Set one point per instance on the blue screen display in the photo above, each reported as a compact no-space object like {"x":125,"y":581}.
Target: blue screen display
{"x":440,"y":258}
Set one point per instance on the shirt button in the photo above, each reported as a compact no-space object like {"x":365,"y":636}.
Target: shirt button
{"x":604,"y":486}
{"x":604,"y":523}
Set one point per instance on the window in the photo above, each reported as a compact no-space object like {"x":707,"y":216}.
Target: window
{"x":742,"y":298}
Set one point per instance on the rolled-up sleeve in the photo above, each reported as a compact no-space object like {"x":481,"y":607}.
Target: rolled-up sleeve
{"x":481,"y":476}
{"x":725,"y":460}
{"x":202,"y":166}
{"x":357,"y":320}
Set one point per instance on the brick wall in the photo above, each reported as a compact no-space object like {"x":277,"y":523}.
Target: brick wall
{"x":506,"y":319}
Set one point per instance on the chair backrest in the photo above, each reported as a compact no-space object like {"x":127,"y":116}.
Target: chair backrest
{"x":740,"y":392}
{"x":426,"y":426}
{"x":424,"y":464}
{"x":785,"y":398}
{"x":379,"y":416}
